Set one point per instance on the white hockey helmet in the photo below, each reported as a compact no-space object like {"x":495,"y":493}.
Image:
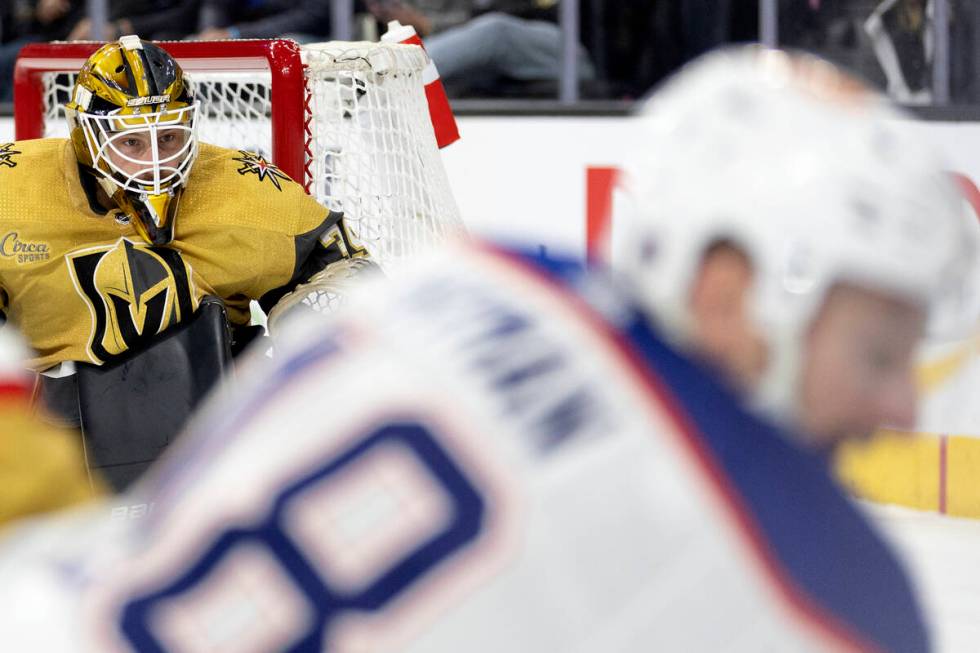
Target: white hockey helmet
{"x":812,"y":176}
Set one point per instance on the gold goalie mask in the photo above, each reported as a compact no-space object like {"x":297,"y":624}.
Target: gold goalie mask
{"x":133,"y":123}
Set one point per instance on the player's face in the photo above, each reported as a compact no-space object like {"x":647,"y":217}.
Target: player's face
{"x":133,"y":153}
{"x":722,"y":329}
{"x":858,"y":365}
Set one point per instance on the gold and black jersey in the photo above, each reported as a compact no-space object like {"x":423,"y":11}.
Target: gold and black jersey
{"x":82,"y":285}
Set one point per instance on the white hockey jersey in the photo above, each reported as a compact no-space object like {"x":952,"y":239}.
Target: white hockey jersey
{"x":473,"y":458}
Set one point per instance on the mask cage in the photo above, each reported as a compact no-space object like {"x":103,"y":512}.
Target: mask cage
{"x":157,"y":169}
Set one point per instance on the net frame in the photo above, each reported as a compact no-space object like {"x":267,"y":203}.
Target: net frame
{"x":347,"y":119}
{"x":279,"y":58}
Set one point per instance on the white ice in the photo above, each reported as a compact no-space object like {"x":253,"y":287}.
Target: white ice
{"x":942,"y":555}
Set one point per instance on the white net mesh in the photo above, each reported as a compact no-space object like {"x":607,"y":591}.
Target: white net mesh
{"x":371,"y":151}
{"x":236,"y":109}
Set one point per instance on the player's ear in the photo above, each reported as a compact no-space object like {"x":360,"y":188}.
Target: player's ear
{"x":720,"y":310}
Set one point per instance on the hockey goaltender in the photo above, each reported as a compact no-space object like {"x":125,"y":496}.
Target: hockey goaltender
{"x":128,"y":250}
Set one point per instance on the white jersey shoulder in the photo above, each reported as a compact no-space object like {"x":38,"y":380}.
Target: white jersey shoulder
{"x":463,"y":461}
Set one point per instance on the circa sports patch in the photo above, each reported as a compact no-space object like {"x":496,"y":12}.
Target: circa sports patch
{"x":7,"y":155}
{"x":254,"y":164}
{"x":22,"y":250}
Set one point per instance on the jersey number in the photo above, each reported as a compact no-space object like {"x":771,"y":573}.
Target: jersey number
{"x":324,"y":598}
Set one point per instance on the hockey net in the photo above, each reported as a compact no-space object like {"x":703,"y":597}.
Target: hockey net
{"x":347,"y":119}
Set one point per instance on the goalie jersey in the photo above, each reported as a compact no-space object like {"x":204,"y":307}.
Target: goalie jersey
{"x":83,"y":286}
{"x":478,"y":460}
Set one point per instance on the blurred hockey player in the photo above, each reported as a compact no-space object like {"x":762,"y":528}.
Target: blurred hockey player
{"x":42,"y":467}
{"x":114,"y":238}
{"x":495,"y":453}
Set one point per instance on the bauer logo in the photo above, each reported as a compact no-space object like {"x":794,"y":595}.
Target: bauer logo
{"x":12,"y":246}
{"x":151,"y":99}
{"x":7,"y":153}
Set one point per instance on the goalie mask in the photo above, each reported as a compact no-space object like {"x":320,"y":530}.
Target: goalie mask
{"x":132,"y":121}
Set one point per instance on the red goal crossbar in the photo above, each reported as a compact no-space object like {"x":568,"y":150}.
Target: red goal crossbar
{"x":280,"y":57}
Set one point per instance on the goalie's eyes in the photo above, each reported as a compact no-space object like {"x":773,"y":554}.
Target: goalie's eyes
{"x":131,"y":144}
{"x":138,"y":145}
{"x":171,"y":141}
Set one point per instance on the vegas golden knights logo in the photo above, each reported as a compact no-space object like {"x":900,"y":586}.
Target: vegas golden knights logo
{"x":134,"y":292}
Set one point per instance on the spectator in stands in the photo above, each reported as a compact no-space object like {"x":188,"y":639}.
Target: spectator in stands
{"x":902,"y":37}
{"x":965,"y":63}
{"x":707,"y":24}
{"x":8,"y":13}
{"x":151,"y":19}
{"x":832,"y":29}
{"x":43,"y":20}
{"x":479,"y":44}
{"x":303,"y":20}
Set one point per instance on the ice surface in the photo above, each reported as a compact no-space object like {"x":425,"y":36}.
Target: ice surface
{"x":943,"y":557}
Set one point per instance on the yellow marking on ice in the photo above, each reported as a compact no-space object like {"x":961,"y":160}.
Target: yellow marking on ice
{"x":905,"y":469}
{"x":963,"y":476}
{"x":934,"y":373}
{"x":893,"y":467}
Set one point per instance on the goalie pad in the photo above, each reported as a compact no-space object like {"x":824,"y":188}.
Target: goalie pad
{"x":325,"y":292}
{"x":130,"y":411}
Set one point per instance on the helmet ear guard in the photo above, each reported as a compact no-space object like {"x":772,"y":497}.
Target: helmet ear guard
{"x":135,"y":91}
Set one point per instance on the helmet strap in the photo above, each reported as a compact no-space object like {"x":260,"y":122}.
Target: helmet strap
{"x":154,"y":228}
{"x":108,"y":187}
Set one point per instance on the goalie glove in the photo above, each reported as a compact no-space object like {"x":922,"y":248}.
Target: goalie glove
{"x":325,"y":292}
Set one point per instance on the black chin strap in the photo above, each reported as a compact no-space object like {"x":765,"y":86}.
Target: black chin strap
{"x":156,"y":235}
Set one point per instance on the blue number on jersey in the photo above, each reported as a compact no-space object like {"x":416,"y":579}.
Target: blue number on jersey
{"x":326,"y":602}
